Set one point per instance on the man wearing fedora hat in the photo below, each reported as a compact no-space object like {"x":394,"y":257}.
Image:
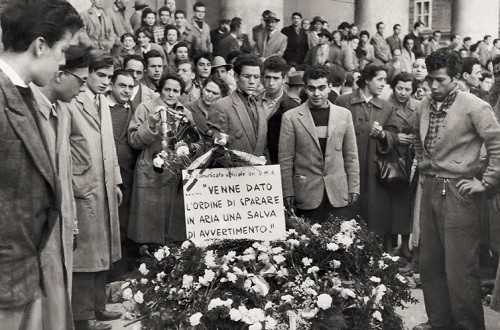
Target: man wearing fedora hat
{"x":218,"y":34}
{"x":324,"y":52}
{"x":312,"y":34}
{"x":257,"y":29}
{"x":270,"y":41}
{"x":220,"y":69}
{"x":297,"y":46}
{"x":135,"y":19}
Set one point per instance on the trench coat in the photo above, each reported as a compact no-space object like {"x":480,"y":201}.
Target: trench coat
{"x":152,"y":193}
{"x":374,"y":197}
{"x":98,"y":32}
{"x":96,"y":175}
{"x":57,"y":256}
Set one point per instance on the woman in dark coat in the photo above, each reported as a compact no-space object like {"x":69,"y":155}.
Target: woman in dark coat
{"x":375,"y":124}
{"x":406,"y":109}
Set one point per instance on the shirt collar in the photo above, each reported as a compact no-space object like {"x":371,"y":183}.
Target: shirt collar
{"x":112,"y":103}
{"x":270,"y":34}
{"x":145,"y":50}
{"x":363,"y":96}
{"x":90,"y":94}
{"x":264,"y":96}
{"x":447,"y":102}
{"x":50,"y":108}
{"x":12,"y":74}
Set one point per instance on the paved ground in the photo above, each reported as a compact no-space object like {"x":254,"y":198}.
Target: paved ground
{"x":412,"y":316}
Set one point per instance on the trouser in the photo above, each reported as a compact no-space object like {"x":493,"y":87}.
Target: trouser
{"x":324,"y":211}
{"x":25,"y":317}
{"x":449,"y":256}
{"x":88,"y":295}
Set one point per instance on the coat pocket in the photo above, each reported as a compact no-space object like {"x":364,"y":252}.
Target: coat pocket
{"x":83,"y":181}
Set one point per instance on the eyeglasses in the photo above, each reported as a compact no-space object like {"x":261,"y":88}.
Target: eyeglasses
{"x":80,"y":79}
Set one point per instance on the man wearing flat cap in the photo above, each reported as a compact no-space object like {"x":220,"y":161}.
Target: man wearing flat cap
{"x":271,"y":41}
{"x":324,"y":52}
{"x":218,"y":34}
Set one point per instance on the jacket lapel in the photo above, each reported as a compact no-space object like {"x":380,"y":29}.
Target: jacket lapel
{"x":332,"y":119}
{"x":246,"y":123}
{"x":424,"y":123}
{"x":307,"y":120}
{"x":23,"y":123}
{"x":88,"y":106}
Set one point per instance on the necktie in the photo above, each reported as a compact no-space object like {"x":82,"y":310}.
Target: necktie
{"x":97,"y":106}
{"x":254,"y":116}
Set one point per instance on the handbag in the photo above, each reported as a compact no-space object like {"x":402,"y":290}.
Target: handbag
{"x":391,"y":168}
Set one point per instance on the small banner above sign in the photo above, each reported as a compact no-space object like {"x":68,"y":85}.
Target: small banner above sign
{"x":233,"y":203}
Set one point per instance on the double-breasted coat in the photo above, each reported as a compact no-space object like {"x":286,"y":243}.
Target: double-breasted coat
{"x":372,"y":205}
{"x":96,"y":176}
{"x":297,"y":44}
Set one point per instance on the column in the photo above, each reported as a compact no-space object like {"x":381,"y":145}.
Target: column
{"x":368,"y":13}
{"x":475,"y":18}
{"x":251,"y":11}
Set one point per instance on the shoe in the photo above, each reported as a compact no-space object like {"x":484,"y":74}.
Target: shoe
{"x":423,"y":326}
{"x":107,"y":315}
{"x":92,"y":325}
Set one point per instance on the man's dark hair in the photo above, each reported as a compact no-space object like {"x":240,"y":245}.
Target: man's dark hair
{"x":232,"y":55}
{"x":121,"y":72}
{"x":145,"y":13}
{"x":435,"y":32}
{"x":378,"y":24}
{"x":495,"y":41}
{"x":317,"y":71}
{"x":151,"y":54}
{"x":297,"y":14}
{"x":99,"y":59}
{"x":266,"y":13}
{"x":191,"y":64}
{"x":134,"y":57}
{"x":406,"y":38}
{"x":486,"y":37}
{"x":24,"y":21}
{"x":396,"y":26}
{"x":172,"y":76}
{"x":368,"y":73}
{"x":224,"y":88}
{"x":125,"y":35}
{"x":474,"y":47}
{"x":171,"y":27}
{"x":162,"y":9}
{"x":76,"y":57}
{"x":445,"y":59}
{"x":485,"y":75}
{"x":349,"y":80}
{"x":179,"y":45}
{"x":343,"y":26}
{"x":206,"y":55}
{"x":180,"y":11}
{"x":403,"y":77}
{"x":246,"y":60}
{"x":465,"y":39}
{"x":198,"y":4}
{"x":364,"y":33}
{"x":468,"y":63}
{"x":276,"y":64}
{"x":337,"y":75}
{"x":417,"y":24}
{"x":235,"y":25}
{"x":146,"y":31}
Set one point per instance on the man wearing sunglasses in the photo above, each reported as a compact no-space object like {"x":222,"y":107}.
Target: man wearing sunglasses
{"x":62,"y":86}
{"x":318,"y":153}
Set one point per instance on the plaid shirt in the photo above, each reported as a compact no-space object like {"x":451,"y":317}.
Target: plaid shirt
{"x":436,"y":119}
{"x":158,"y":33}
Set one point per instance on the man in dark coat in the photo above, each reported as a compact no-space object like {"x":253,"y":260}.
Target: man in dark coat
{"x":418,"y":39}
{"x":275,"y":101}
{"x":297,"y":46}
{"x":218,"y":34}
{"x":30,"y":190}
{"x":230,"y":42}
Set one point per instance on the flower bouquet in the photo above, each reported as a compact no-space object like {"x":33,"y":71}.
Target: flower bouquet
{"x":329,"y":276}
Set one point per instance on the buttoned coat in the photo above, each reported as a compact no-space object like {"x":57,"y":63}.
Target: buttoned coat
{"x":152,"y":193}
{"x":98,"y":33}
{"x":229,"y":116}
{"x":57,"y":256}
{"x":96,"y":175}
{"x":274,"y":46}
{"x":305,"y":172}
{"x":202,"y":40}
{"x":334,"y":56}
{"x":297,"y":44}
{"x":373,"y":195}
{"x":30,"y":198}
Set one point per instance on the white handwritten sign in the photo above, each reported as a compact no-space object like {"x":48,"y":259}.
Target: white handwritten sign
{"x":239,"y":202}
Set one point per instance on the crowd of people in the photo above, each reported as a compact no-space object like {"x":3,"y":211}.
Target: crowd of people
{"x":399,"y":130}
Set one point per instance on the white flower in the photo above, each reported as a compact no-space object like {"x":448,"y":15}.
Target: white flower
{"x":158,"y":161}
{"x":287,"y":298}
{"x":271,"y":323}
{"x":125,"y":285}
{"x":160,"y":276}
{"x":279,"y":258}
{"x":182,"y":151}
{"x":142,"y":268}
{"x":375,"y":279}
{"x":324,"y":301}
{"x":291,"y":232}
{"x":307,"y":261}
{"x":248,"y":257}
{"x":313,"y":269}
{"x":382,"y":265}
{"x":401,"y":278}
{"x":377,"y":316}
{"x":157,"y":288}
{"x":160,"y":254}
{"x":247,"y":284}
{"x":332,"y":246}
{"x":260,"y":286}
{"x":336,"y":263}
{"x":231,"y":277}
{"x":264,"y":257}
{"x":187,"y":281}
{"x":293,"y":242}
{"x":344,"y":239}
{"x":195,"y":319}
{"x":348,"y":293}
{"x":166,"y":250}
{"x":255,"y":326}
{"x":235,"y":314}
{"x":208,"y":277}
{"x":311,"y":292}
{"x":277,"y":250}
{"x":139,"y":297}
{"x":127,"y":294}
{"x":314,"y":228}
{"x":378,"y":293}
{"x":282,"y":272}
{"x":230,"y":256}
{"x":308,"y":313}
{"x":249,"y":251}
{"x":144,"y":281}
{"x":185,"y":245}
{"x":257,"y":315}
{"x":214,"y":303}
{"x":210,"y":259}
{"x":268,"y":305}
{"x":238,"y":271}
